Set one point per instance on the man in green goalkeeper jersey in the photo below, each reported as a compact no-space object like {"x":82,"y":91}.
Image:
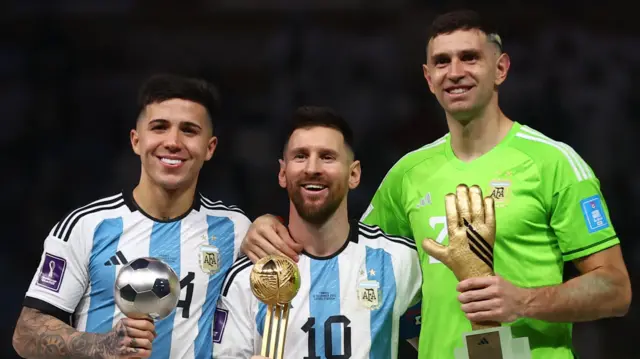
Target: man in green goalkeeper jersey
{"x":549,"y":210}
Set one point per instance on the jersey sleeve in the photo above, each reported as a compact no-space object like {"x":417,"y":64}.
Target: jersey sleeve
{"x":62,"y":275}
{"x":242,"y":224}
{"x":409,"y":274}
{"x":234,"y":332}
{"x":579,"y":213}
{"x":386,"y":209}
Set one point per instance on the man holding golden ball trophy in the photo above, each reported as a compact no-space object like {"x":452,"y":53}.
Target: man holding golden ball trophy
{"x":353,"y":284}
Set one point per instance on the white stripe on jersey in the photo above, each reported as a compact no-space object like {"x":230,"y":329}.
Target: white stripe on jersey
{"x":580,"y":168}
{"x":584,"y":168}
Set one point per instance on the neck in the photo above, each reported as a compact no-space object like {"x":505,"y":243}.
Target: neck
{"x":474,"y":136}
{"x":320,"y":240}
{"x":161,"y":203}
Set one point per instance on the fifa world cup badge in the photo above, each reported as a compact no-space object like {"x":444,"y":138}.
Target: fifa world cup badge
{"x":369,"y":294}
{"x":209,"y":259}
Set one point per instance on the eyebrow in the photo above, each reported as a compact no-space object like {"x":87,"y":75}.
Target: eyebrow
{"x":307,"y":149}
{"x":182,"y":123}
{"x":461,"y":53}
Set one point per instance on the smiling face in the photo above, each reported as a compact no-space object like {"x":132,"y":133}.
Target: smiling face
{"x":318,"y":171}
{"x":173,"y":139}
{"x":463,"y":71}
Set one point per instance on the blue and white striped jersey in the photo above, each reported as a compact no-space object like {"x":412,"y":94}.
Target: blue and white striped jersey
{"x":349,"y":305}
{"x":84,"y":252}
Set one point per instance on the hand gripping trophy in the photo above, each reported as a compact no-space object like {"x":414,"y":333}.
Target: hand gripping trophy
{"x":471,"y":225}
{"x":275,"y":281}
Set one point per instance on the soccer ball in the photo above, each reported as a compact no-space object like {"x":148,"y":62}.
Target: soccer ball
{"x":275,"y":280}
{"x":147,"y":287}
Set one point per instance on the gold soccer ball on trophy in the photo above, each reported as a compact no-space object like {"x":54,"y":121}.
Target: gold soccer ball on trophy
{"x":275,"y":280}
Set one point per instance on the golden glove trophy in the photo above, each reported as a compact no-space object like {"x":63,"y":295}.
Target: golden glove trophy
{"x":471,"y":225}
{"x":275,"y":281}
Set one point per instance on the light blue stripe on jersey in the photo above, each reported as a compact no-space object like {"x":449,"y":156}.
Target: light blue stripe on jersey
{"x":221,"y":233}
{"x":260,"y":317}
{"x":324,"y":302}
{"x":165,"y":245}
{"x":380,"y":269}
{"x":102,"y":278}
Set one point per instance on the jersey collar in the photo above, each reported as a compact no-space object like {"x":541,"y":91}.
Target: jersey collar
{"x":352,"y":237}
{"x":127,"y":195}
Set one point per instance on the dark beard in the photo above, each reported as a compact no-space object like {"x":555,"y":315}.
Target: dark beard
{"x":315,"y":215}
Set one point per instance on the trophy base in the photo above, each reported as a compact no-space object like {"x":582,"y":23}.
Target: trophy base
{"x":493,"y":343}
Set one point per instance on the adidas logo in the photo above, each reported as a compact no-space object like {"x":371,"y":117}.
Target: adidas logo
{"x":483,"y":341}
{"x":426,"y":201}
{"x":118,"y":259}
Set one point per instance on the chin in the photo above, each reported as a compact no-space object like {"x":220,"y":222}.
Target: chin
{"x":172,"y":184}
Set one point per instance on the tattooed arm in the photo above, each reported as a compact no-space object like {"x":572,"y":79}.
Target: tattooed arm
{"x":602,"y":290}
{"x":41,"y":336}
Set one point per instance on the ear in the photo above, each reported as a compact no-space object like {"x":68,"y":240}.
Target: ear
{"x":282,"y":175}
{"x":354,"y":174}
{"x":135,"y":140}
{"x":211,"y":147}
{"x":427,"y":76}
{"x":502,"y":68}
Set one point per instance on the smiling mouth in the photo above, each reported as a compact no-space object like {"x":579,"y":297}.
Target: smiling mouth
{"x":314,"y":187}
{"x":171,"y":161}
{"x":459,"y":90}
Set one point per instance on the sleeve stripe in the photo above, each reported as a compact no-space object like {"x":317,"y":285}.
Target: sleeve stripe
{"x":218,"y":205}
{"x":240,"y":265}
{"x":375,"y":230}
{"x":589,"y":246}
{"x":376,"y":234}
{"x":61,"y":227}
{"x":577,"y":163}
{"x":105,"y":207}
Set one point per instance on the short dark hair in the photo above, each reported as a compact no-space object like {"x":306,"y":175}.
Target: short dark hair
{"x":163,"y":87}
{"x":463,"y":20}
{"x":320,"y":116}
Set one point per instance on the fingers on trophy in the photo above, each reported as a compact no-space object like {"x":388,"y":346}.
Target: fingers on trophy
{"x":275,"y":281}
{"x":471,"y":225}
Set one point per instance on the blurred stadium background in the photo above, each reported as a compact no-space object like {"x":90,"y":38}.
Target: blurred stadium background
{"x":70,"y":70}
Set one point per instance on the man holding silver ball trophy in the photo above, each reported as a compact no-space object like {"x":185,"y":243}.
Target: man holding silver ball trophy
{"x":137,"y":274}
{"x":349,"y":292}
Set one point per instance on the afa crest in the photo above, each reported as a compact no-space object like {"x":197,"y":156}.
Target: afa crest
{"x":369,"y":294}
{"x":501,"y":192}
{"x":209,"y":259}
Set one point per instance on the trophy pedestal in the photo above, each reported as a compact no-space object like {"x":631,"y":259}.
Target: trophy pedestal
{"x":493,"y":343}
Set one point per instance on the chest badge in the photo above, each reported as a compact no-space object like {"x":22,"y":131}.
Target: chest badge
{"x":369,"y":294}
{"x":501,"y":192}
{"x":209,"y":258}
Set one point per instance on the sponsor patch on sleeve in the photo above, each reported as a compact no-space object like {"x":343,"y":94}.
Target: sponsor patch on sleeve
{"x":52,"y":272}
{"x":219,"y":322}
{"x":594,"y":214}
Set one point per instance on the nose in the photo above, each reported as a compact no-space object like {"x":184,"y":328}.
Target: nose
{"x":313,"y":166}
{"x":172,"y":140}
{"x":456,"y":70}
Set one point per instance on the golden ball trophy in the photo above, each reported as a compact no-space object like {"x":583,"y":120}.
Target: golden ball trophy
{"x":275,"y":281}
{"x":471,"y":225}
